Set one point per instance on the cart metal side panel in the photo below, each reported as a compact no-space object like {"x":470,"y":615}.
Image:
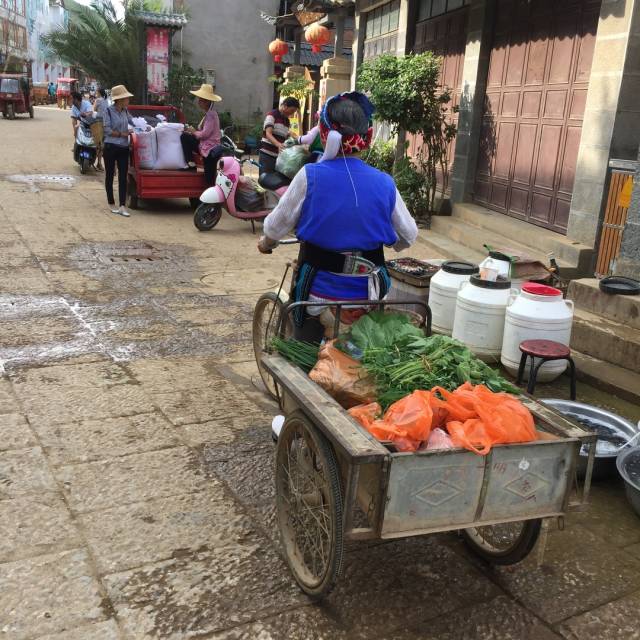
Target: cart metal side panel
{"x":455,"y":489}
{"x":528,"y":480}
{"x":434,"y":490}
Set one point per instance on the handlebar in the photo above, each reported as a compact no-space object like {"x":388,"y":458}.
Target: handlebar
{"x":290,"y":241}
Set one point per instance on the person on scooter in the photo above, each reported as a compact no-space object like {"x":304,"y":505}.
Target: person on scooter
{"x":275,"y":132}
{"x":81,"y":108}
{"x":206,"y":138}
{"x":344,"y":212}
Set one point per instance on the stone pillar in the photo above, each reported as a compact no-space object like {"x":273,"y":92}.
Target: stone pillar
{"x":474,"y":76}
{"x":628,"y":263}
{"x":406,"y":26}
{"x":357,"y":47}
{"x":611,"y":125}
{"x":335,"y":77}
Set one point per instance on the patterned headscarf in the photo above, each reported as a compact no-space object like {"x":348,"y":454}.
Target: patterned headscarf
{"x":354,"y":142}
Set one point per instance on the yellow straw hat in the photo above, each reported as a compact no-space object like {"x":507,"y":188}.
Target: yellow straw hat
{"x":120,"y":91}
{"x":206,"y":92}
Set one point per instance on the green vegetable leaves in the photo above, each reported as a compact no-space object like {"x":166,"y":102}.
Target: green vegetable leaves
{"x":402,"y":359}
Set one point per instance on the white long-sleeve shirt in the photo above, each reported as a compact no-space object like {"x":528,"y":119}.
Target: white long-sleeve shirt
{"x":284,"y":218}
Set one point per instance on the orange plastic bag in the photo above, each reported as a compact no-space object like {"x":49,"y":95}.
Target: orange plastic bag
{"x":499,"y":419}
{"x":342,"y":377}
{"x":407,"y":422}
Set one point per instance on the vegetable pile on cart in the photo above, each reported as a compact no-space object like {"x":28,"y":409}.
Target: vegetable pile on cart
{"x":423,"y":383}
{"x":392,"y":433}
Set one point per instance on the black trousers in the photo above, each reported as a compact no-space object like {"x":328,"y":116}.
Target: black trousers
{"x":190,"y":145}
{"x":115,"y":154}
{"x":267,"y":163}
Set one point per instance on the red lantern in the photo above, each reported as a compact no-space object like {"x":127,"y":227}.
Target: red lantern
{"x":278,"y":48}
{"x":317,"y":36}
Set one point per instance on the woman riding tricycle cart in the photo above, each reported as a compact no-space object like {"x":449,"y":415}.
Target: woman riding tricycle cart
{"x":335,"y":481}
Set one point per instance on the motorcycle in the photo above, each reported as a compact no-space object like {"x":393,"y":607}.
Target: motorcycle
{"x":227,"y":194}
{"x":84,"y":149}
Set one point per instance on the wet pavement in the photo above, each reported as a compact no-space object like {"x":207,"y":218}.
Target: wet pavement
{"x":136,"y":465}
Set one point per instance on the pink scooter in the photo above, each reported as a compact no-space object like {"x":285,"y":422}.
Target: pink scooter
{"x":225,"y":195}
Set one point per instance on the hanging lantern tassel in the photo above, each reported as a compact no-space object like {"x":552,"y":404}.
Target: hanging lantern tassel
{"x":278,"y":48}
{"x":317,"y":36}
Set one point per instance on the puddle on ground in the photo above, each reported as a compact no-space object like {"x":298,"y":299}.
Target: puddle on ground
{"x":143,"y":301}
{"x":43,"y":181}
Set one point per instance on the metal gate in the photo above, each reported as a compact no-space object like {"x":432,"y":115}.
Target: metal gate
{"x":536,"y":93}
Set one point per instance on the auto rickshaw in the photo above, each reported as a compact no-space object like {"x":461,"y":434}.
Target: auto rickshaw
{"x":16,"y":95}
{"x":65,"y":87}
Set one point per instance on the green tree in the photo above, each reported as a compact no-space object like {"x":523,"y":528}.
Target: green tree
{"x":107,"y":47}
{"x":409,"y":97}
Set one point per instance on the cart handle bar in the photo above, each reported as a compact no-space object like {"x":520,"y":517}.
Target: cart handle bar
{"x":380,"y":304}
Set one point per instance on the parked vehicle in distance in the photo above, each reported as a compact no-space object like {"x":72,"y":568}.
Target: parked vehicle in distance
{"x":16,"y":95}
{"x":64,"y":88}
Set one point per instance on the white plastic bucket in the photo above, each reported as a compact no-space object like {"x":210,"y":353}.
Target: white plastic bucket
{"x":479,"y":318}
{"x":538,"y":312}
{"x":443,"y":291}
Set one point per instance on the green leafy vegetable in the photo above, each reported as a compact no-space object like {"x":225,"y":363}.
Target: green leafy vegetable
{"x":401,"y":359}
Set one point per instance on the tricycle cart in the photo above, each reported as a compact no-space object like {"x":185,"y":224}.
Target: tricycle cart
{"x":64,"y":88}
{"x":16,"y":95}
{"x":151,"y":184}
{"x":335,"y":482}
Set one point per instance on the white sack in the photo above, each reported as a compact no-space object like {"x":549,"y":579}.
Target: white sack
{"x":170,"y":154}
{"x":147,"y":146}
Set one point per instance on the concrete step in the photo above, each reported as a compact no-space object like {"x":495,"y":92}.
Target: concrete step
{"x":578,"y":255}
{"x":442,"y":245}
{"x":606,"y":340}
{"x":608,"y":377}
{"x":475,"y":238}
{"x":586,"y":295}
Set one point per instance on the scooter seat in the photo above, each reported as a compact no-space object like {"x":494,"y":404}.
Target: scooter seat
{"x":273,"y":181}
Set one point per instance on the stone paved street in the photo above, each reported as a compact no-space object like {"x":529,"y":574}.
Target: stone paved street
{"x":136,"y":463}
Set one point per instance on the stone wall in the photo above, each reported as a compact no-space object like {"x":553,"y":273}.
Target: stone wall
{"x":231,"y":38}
{"x":611,"y":126}
{"x":628,"y":263}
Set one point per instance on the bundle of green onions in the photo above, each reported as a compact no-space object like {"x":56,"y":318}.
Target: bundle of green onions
{"x":303,"y":354}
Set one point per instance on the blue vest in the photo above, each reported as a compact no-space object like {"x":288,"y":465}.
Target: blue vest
{"x":333,"y":219}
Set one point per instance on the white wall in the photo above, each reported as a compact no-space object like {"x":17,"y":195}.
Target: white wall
{"x":230,"y":37}
{"x":46,"y":18}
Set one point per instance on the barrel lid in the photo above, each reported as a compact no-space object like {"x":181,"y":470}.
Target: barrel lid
{"x":460,"y":268}
{"x":498,"y":255}
{"x":540,"y":289}
{"x":500,"y":283}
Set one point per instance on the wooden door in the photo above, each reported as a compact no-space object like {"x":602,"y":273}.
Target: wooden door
{"x":534,"y":105}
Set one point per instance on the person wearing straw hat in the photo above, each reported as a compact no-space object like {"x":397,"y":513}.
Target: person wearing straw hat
{"x":206,"y":138}
{"x":116,"y":146}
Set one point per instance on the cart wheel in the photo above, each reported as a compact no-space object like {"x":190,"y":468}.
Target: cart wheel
{"x":132,"y":194}
{"x":506,"y":543}
{"x":207,"y":216}
{"x":194,"y":202}
{"x":84,"y":165}
{"x":31,"y":113}
{"x":11,"y":114}
{"x":309,"y":506}
{"x":266,"y":319}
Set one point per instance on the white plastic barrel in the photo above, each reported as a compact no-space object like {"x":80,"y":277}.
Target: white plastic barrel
{"x":479,"y":319}
{"x":443,"y":291}
{"x":538,"y":312}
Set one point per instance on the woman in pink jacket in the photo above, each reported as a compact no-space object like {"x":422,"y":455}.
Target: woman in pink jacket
{"x":206,"y":138}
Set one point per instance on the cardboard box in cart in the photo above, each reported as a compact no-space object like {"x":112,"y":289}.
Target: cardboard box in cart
{"x":410,"y":280}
